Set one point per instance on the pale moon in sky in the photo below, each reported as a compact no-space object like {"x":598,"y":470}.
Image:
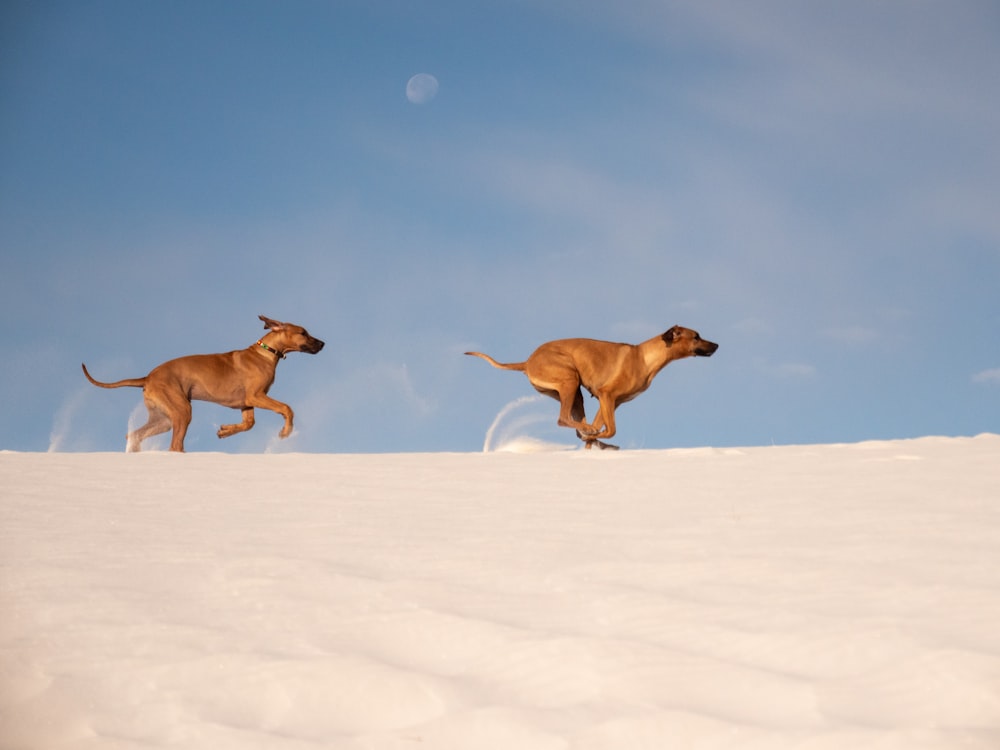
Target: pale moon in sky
{"x":421,"y":88}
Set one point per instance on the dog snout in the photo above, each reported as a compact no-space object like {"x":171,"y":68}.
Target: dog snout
{"x":314,"y":346}
{"x":705,"y":348}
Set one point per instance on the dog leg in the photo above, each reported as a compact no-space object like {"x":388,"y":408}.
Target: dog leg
{"x":570,"y":400}
{"x":571,"y":412}
{"x":231,"y":429}
{"x":263,"y":401}
{"x":602,"y":445}
{"x":157,"y":424}
{"x":174,"y":405}
{"x":604,"y":421}
{"x":603,"y":425}
{"x":577,"y":412}
{"x":587,"y":432}
{"x":180,"y":418}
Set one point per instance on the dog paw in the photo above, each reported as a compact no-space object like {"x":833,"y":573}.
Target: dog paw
{"x":603,"y":446}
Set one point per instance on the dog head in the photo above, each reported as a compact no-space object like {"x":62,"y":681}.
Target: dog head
{"x":291,"y":338}
{"x":690,"y":340}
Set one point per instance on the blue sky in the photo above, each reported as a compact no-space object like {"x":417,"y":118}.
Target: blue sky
{"x":814,"y":186}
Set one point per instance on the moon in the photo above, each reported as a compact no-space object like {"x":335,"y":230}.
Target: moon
{"x":421,"y":88}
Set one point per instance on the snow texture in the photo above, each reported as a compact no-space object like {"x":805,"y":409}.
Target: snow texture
{"x":815,"y":597}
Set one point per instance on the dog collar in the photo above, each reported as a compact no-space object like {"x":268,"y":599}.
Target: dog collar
{"x":273,"y":351}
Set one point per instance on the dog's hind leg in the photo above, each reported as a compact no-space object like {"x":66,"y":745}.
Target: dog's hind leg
{"x":157,"y":424}
{"x":588,"y":441}
{"x":571,"y":413}
{"x":175,"y":408}
{"x":578,"y":414}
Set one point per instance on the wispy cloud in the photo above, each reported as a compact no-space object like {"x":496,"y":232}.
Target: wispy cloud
{"x":393,"y":384}
{"x":987,"y":376}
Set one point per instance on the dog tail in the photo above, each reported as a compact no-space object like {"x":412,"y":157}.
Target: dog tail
{"x":132,"y":382}
{"x":519,"y":366}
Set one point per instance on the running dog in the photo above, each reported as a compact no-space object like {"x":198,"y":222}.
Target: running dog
{"x":239,"y":379}
{"x":613,"y":373}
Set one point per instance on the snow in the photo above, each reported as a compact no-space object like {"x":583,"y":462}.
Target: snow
{"x":829,"y":596}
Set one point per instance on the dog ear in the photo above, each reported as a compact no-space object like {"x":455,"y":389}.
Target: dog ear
{"x":672,"y":335}
{"x":273,"y":325}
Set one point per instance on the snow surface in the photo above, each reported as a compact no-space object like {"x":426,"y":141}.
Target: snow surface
{"x":836,"y":596}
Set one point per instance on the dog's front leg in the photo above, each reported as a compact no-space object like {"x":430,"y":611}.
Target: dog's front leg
{"x":589,"y":437}
{"x":600,"y":428}
{"x":231,"y":429}
{"x":603,"y":425}
{"x":266,"y":402}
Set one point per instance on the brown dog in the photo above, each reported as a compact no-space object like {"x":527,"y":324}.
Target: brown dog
{"x":614,"y":373}
{"x":238,"y":379}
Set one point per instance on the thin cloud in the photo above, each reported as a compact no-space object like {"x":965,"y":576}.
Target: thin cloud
{"x":392,"y":382}
{"x":987,"y":376}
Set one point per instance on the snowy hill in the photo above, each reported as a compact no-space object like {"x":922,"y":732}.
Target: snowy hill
{"x":835,"y":596}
